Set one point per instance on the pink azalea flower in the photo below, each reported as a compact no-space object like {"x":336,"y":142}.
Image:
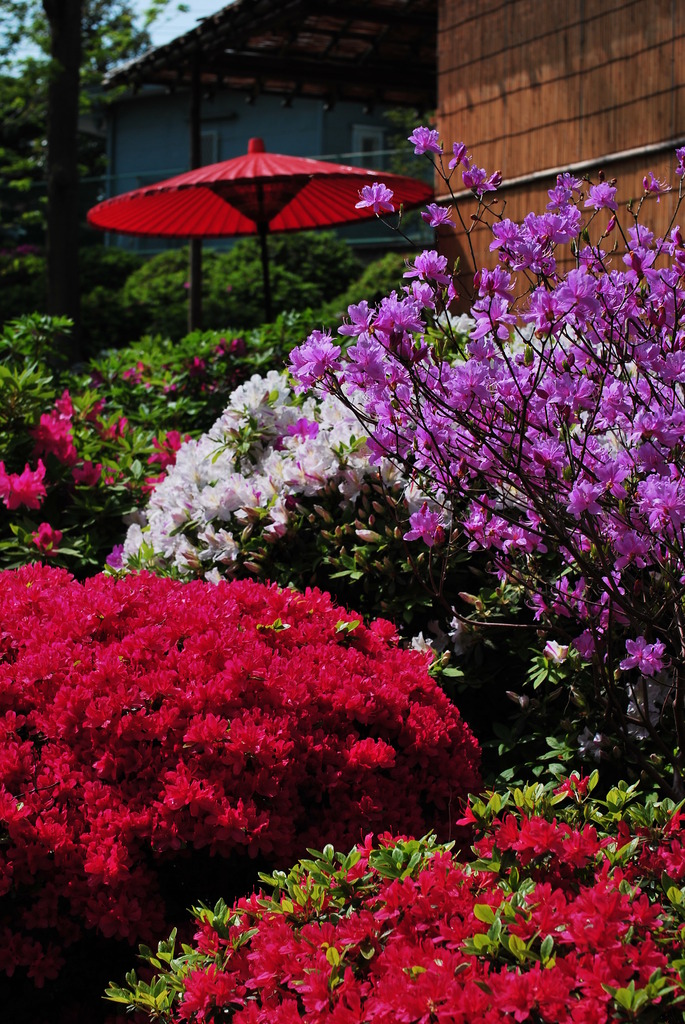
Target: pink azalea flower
{"x":26,"y":488}
{"x":64,"y":405}
{"x":53,"y":436}
{"x":166,"y":448}
{"x":46,"y":538}
{"x":5,"y":484}
{"x":88,"y":474}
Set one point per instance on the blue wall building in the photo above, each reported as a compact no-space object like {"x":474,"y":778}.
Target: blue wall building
{"x":310,"y":79}
{"x":148,"y":140}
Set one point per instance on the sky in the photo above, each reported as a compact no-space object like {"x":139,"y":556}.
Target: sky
{"x":174,"y":22}
{"x":170,"y":24}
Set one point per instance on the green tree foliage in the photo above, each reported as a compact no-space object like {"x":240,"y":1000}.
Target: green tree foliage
{"x":22,"y":159}
{"x":109,"y":35}
{"x":52,"y":57}
{"x":307,"y":269}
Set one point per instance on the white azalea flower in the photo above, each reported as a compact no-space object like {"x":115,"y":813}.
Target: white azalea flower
{"x":268,"y":449}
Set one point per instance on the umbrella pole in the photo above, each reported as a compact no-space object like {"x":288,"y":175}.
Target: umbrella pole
{"x":262,"y":229}
{"x":195,"y":270}
{"x":195,"y":296}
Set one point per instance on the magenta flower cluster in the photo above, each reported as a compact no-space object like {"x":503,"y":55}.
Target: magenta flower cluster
{"x":558,"y":429}
{"x":25,"y":489}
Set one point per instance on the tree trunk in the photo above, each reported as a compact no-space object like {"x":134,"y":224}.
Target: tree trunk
{"x":195,"y":247}
{"x":63,"y":286}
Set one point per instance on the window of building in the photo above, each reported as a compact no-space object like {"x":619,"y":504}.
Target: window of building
{"x":368,"y":142}
{"x":209,"y":148}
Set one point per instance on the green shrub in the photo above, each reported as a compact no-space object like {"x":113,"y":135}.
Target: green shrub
{"x":80,"y":451}
{"x":22,"y":282}
{"x":319,"y":258}
{"x":378,"y":279}
{"x":306,"y":269}
{"x":71,"y":468}
{"x":184,"y":385}
{"x":106,"y":319}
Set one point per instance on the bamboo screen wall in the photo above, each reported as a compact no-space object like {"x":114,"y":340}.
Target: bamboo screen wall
{"x":542,"y":85}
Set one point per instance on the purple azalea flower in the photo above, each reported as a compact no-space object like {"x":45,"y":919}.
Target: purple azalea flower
{"x":631,"y":548}
{"x":543,"y":311}
{"x":303,"y":428}
{"x":640,"y":237}
{"x":583,"y":498}
{"x":506,"y":233}
{"x":436,"y":215}
{"x":494,"y":282}
{"x":660,"y":500}
{"x":360,"y":319}
{"x":460,"y":156}
{"x":423,"y":294}
{"x":429,"y":265}
{"x":476,"y":178}
{"x":427,"y":526}
{"x":377,"y":196}
{"x":577,"y":294}
{"x":396,"y":315}
{"x":585,"y":645}
{"x":556,"y":228}
{"x":680,"y":154}
{"x":312,"y":361}
{"x":425,"y":140}
{"x":569,"y":181}
{"x":559,"y":198}
{"x":675,"y":241}
{"x":648,"y":658}
{"x":115,"y":559}
{"x":366,"y":362}
{"x":657,"y":186}
{"x":602,"y":197}
{"x":492,"y":316}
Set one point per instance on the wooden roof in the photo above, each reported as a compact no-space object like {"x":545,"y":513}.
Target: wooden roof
{"x":369,"y":51}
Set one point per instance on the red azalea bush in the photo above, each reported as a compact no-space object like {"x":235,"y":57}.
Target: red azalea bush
{"x":566,"y":916}
{"x":152,"y":729}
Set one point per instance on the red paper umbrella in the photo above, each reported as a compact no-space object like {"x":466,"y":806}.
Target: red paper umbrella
{"x":252,"y":194}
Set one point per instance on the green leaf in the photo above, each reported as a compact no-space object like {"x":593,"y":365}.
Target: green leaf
{"x":343,"y":626}
{"x":516,"y":946}
{"x":484,"y":912}
{"x":277,"y":626}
